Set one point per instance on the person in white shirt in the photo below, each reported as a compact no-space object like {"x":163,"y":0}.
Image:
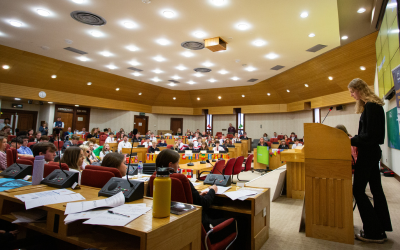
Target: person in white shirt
{"x":292,"y":136}
{"x":105,"y":151}
{"x":153,"y":138}
{"x":110,"y":138}
{"x":124,"y":144}
{"x":6,"y":123}
{"x":146,"y":143}
{"x":218,"y":147}
{"x":275,"y":135}
{"x":221,"y":141}
{"x":58,"y":124}
{"x":198,"y":142}
{"x":296,"y":143}
{"x":180,"y":143}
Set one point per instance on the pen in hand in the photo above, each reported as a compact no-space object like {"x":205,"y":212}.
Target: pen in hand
{"x":111,"y":212}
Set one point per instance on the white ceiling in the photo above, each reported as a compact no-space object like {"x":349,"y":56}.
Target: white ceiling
{"x":276,"y":22}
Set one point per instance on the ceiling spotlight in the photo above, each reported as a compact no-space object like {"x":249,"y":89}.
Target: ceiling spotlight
{"x":191,"y":82}
{"x":163,"y":41}
{"x":272,"y":56}
{"x":6,"y":67}
{"x":219,"y":97}
{"x":198,"y":74}
{"x":187,"y":54}
{"x":140,"y":93}
{"x":362,"y":68}
{"x":111,"y":66}
{"x":199,"y":34}
{"x":89,"y":83}
{"x":76,"y":105}
{"x":17,"y":99}
{"x":159,"y":58}
{"x":132,"y":48}
{"x":208,"y":64}
{"x":330,"y":78}
{"x":243,"y":26}
{"x":311,"y":35}
{"x":83,"y":58}
{"x":136,"y":74}
{"x":259,"y":43}
{"x":288,"y":90}
{"x":43,"y":12}
{"x":15,"y":23}
{"x":134,"y":63}
{"x":53,"y":76}
{"x":250,"y":68}
{"x":304,"y":14}
{"x":172,"y":84}
{"x":50,"y":102}
{"x":223,"y":72}
{"x":175,"y":77}
{"x":212,"y":80}
{"x":155,"y":79}
{"x":361,"y":10}
{"x":268,"y":94}
{"x":218,"y":2}
{"x":235,"y":78}
{"x":117,"y":89}
{"x":181,"y":67}
{"x":198,"y":98}
{"x":243,"y":95}
{"x":174,"y":98}
{"x":157,"y":71}
{"x":168,"y":14}
{"x":129,"y":25}
{"x":306,"y":85}
{"x":96,"y":33}
{"x":106,"y":53}
{"x":344,"y":37}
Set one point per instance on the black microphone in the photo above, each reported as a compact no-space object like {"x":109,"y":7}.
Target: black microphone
{"x":130,"y":157}
{"x":58,"y":133}
{"x":330,"y":109}
{"x":16,"y":156}
{"x":208,"y":161}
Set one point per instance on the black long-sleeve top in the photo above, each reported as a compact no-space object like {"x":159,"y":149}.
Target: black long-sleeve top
{"x":203,"y":201}
{"x":371,"y":128}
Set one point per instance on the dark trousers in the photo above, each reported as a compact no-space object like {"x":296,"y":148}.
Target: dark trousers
{"x":376,"y":219}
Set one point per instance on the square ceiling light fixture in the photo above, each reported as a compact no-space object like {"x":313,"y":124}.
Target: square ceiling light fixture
{"x":215,"y":44}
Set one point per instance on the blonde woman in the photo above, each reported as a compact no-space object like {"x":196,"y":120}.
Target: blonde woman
{"x":105,"y":150}
{"x":73,"y":157}
{"x":86,"y":154}
{"x":371,"y":133}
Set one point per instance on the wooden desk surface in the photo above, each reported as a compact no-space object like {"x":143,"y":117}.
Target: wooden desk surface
{"x":291,"y":155}
{"x":197,"y":166}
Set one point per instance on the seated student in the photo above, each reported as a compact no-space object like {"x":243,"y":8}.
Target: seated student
{"x":211,"y":143}
{"x":73,"y":157}
{"x":24,"y":150}
{"x":68,"y":133}
{"x":43,"y":138}
{"x":283,"y":145}
{"x":16,"y":143}
{"x":293,"y":136}
{"x":180,"y":143}
{"x":86,"y":153}
{"x":190,"y":146}
{"x":265,"y":136}
{"x":146,"y":143}
{"x":147,"y":135}
{"x":7,"y":130}
{"x":198,"y":142}
{"x":286,"y":138}
{"x":93,"y":133}
{"x":3,"y":155}
{"x":137,"y":138}
{"x":204,"y":146}
{"x":92,"y":157}
{"x":162,"y":143}
{"x":120,"y":136}
{"x":106,"y":150}
{"x":222,"y":140}
{"x":244,"y":136}
{"x":218,"y":147}
{"x":124,"y":144}
{"x":203,"y":134}
{"x":296,"y":143}
{"x":179,"y":132}
{"x":262,"y":142}
{"x":72,"y":143}
{"x":176,"y":146}
{"x":153,"y":148}
{"x":30,"y":132}
{"x":121,"y":130}
{"x":110,"y":138}
{"x":106,"y":131}
{"x":275,"y":135}
{"x":47,"y":149}
{"x":93,"y":141}
{"x":36,"y":137}
{"x":236,"y":138}
{"x":115,"y":160}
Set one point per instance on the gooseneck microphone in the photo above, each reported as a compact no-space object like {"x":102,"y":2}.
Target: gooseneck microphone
{"x":58,"y":133}
{"x":330,"y":109}
{"x":208,"y":161}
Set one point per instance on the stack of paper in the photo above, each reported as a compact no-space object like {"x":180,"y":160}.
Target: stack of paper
{"x":83,"y":216}
{"x":221,"y":190}
{"x":113,"y":201}
{"x":49,"y":197}
{"x":120,"y":216}
{"x":30,"y":216}
{"x":240,"y":194}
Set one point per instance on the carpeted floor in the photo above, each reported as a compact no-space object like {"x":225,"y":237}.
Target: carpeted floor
{"x":285,"y":220}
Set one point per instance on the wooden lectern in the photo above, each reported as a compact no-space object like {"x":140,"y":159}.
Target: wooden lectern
{"x":328,"y":194}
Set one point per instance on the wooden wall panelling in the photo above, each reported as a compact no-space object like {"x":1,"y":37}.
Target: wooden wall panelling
{"x":269,"y":108}
{"x":225,"y":110}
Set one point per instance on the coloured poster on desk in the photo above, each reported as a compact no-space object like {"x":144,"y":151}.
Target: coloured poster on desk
{"x":8,"y":183}
{"x":393,"y":128}
{"x":396,"y":80}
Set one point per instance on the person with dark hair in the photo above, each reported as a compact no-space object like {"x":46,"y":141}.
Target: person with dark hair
{"x":16,"y":143}
{"x":30,"y":132}
{"x":162,"y":143}
{"x":7,"y":130}
{"x":58,"y":124}
{"x":73,"y":157}
{"x":137,"y":138}
{"x":3,"y":155}
{"x":72,"y":143}
{"x":24,"y":150}
{"x":296,"y":143}
{"x":244,"y":136}
{"x":36,"y":136}
{"x":153,"y":147}
{"x":283,"y":145}
{"x":218,"y":147}
{"x":124,"y":144}
{"x":115,"y":160}
{"x":5,"y":123}
{"x":110,"y":138}
{"x":43,"y":138}
{"x":47,"y":149}
{"x":44,"y":129}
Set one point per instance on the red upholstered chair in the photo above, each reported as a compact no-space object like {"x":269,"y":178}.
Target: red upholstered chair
{"x":117,"y":135}
{"x":269,"y":144}
{"x":30,"y":144}
{"x":158,"y":142}
{"x":224,"y":243}
{"x":220,"y":165}
{"x":10,"y":137}
{"x":101,"y":133}
{"x":112,"y":170}
{"x":48,"y":168}
{"x":25,"y":161}
{"x":247,"y":164}
{"x":86,"y":134}
{"x":280,"y":137}
{"x":59,"y":144}
{"x":237,"y":168}
{"x":141,"y":143}
{"x":170,"y":146}
{"x":102,"y":139}
{"x":95,"y":178}
{"x":11,"y":156}
{"x":180,"y":188}
{"x":218,"y":134}
{"x":229,"y":136}
{"x":7,"y":146}
{"x":273,"y":140}
{"x":80,"y":142}
{"x":228,"y":170}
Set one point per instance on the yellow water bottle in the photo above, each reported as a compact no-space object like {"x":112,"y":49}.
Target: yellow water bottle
{"x":162,"y":194}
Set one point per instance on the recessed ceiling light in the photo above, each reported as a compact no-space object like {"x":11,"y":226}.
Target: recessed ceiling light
{"x":199,"y":34}
{"x":288,"y":90}
{"x":53,"y":76}
{"x":212,"y":80}
{"x":157,"y":71}
{"x":96,"y":33}
{"x":235,"y":78}
{"x":243,"y":95}
{"x":361,"y":10}
{"x":134,"y":63}
{"x":198,"y":98}
{"x":78,"y":1}
{"x":89,"y":83}
{"x":223,"y":72}
{"x":43,"y":12}
{"x":219,"y":97}
{"x":155,"y":79}
{"x":306,"y":85}
{"x":140,"y":93}
{"x":191,"y":82}
{"x":181,"y":67}
{"x":159,"y":58}
{"x":218,"y":2}
{"x":187,"y":54}
{"x":163,"y":41}
{"x":106,"y":53}
{"x":117,"y":89}
{"x":272,"y":56}
{"x":330,"y":78}
{"x":362,"y":68}
{"x":175,"y":77}
{"x":208,"y":64}
{"x":243,"y":26}
{"x":304,"y":14}
{"x":259,"y":42}
{"x":50,"y":102}
{"x":168,"y":14}
{"x":198,"y":74}
{"x":17,"y":99}
{"x":111,"y":66}
{"x":311,"y":35}
{"x":268,"y":94}
{"x":76,"y":105}
{"x":171,"y":84}
{"x":83,"y":58}
{"x":15,"y":23}
{"x":136,"y":74}
{"x":344,"y":37}
{"x":132,"y":48}
{"x":249,"y":68}
{"x":129,"y":25}
{"x":174,"y":98}
{"x":6,"y":67}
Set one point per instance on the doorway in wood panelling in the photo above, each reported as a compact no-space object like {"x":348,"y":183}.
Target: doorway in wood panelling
{"x":141,"y":123}
{"x":175,"y":124}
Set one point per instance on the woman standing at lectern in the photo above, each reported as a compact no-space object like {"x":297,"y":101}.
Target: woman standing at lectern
{"x":371,"y":133}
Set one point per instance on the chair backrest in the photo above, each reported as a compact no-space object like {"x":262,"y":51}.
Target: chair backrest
{"x":30,"y":144}
{"x":237,"y":168}
{"x":180,"y":188}
{"x":280,"y":137}
{"x":229,"y":166}
{"x":117,"y":135}
{"x":102,"y":139}
{"x":218,"y":134}
{"x":86,"y":134}
{"x":95,"y":178}
{"x":247,"y":165}
{"x":269,"y":143}
{"x":10,"y":137}
{"x":112,"y":170}
{"x":220,"y":165}
{"x":170,"y":146}
{"x":25,"y":161}
{"x":11,"y":156}
{"x":50,"y":167}
{"x":288,"y":140}
{"x":273,"y":140}
{"x":59,"y":144}
{"x":229,"y":136}
{"x":141,"y":143}
{"x":101,"y":133}
{"x":7,"y":146}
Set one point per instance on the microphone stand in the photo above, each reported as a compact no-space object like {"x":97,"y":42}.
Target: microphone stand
{"x":327,"y":114}
{"x":60,"y":152}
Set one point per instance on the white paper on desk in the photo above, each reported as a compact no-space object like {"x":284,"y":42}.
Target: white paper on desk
{"x":196,"y":183}
{"x":237,"y":194}
{"x":52,"y":200}
{"x":29,"y":216}
{"x":113,"y":201}
{"x":24,"y":197}
{"x":143,"y":179}
{"x":83,"y":216}
{"x":221,"y":190}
